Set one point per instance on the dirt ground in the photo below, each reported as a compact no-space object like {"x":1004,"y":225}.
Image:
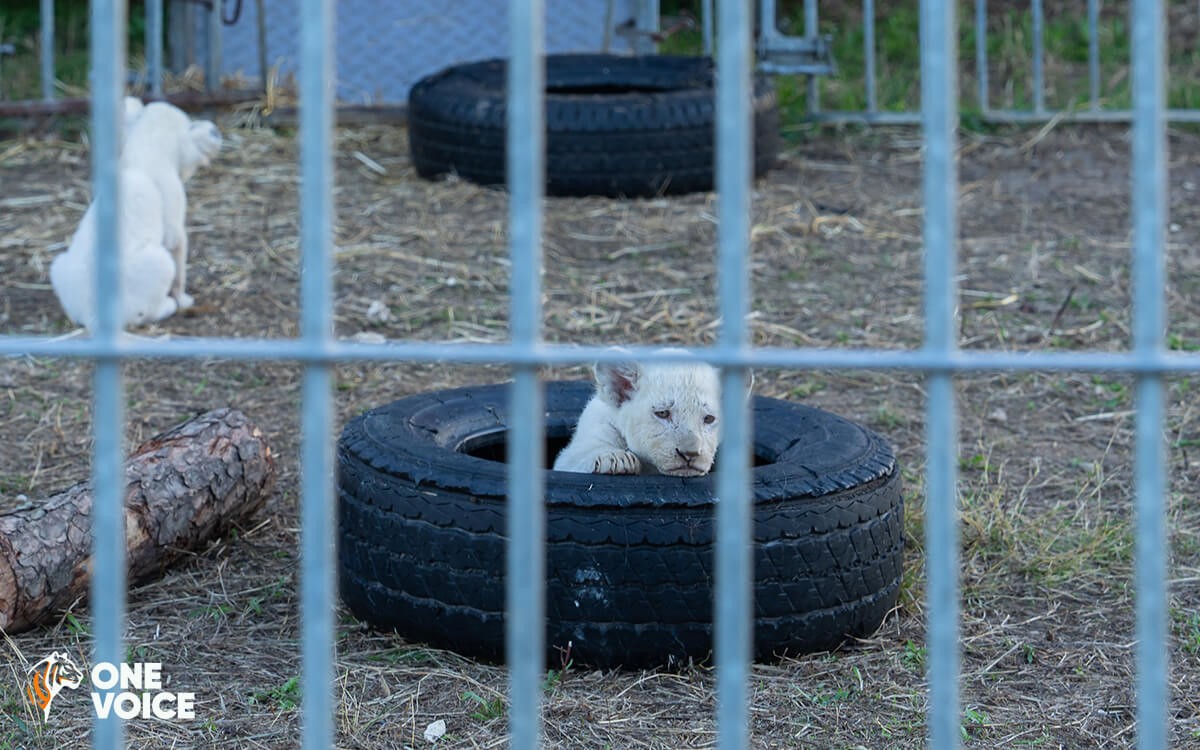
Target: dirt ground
{"x":1047,"y":642}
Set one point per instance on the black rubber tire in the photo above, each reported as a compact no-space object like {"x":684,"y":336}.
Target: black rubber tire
{"x":615,"y":125}
{"x":629,"y":560}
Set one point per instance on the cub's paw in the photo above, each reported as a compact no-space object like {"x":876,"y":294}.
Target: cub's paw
{"x":184,"y":300}
{"x":166,"y":309}
{"x":617,"y":462}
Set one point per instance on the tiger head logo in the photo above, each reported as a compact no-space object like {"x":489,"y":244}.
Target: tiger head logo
{"x":47,"y":679}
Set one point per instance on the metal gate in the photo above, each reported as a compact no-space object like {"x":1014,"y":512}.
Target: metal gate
{"x":938,"y":360}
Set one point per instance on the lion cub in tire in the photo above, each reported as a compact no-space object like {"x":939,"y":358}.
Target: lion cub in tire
{"x":659,"y":418}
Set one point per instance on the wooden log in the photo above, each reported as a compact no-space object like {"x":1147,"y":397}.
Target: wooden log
{"x":183,"y":488}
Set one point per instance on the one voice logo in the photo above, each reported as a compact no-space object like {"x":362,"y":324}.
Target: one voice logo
{"x":128,"y":690}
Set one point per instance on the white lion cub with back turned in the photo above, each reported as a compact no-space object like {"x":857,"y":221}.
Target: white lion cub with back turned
{"x":162,"y":148}
{"x":656,"y":418}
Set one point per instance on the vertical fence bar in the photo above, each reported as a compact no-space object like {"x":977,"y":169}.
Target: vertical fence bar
{"x":47,"y":51}
{"x":646,"y":25}
{"x":1039,"y":83}
{"x":734,"y":562}
{"x":981,"y":55}
{"x":154,"y":46}
{"x":869,"y":55}
{"x":525,"y":633}
{"x":940,"y":189}
{"x":706,"y":26}
{"x":1149,"y":205}
{"x":1093,"y":13}
{"x":260,"y":29}
{"x":317,"y":514}
{"x":212,"y":36}
{"x":108,"y":418}
{"x":811,"y":31}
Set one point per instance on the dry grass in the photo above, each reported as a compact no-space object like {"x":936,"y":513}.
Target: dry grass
{"x":1045,"y":458}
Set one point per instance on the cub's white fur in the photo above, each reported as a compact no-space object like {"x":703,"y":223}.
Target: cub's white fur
{"x":162,"y":148}
{"x":662,"y":418}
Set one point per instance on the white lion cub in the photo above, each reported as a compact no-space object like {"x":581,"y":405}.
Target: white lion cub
{"x":662,"y":418}
{"x":162,"y":149}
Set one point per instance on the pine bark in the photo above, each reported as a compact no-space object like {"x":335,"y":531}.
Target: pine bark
{"x":183,"y":488}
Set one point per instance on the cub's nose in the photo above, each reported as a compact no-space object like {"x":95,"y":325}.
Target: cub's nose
{"x":687,"y":456}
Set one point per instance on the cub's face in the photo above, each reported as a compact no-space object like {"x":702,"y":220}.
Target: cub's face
{"x":669,"y":415}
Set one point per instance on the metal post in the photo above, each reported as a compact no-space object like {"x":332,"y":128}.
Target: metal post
{"x":154,"y":46}
{"x":260,"y":26}
{"x":1039,"y":84}
{"x":1093,"y":11}
{"x":525,"y":632}
{"x":981,"y":55}
{"x":812,"y":31}
{"x":317,"y":509}
{"x":647,"y":24}
{"x":1149,"y":205}
{"x":939,"y":120}
{"x":108,"y":421}
{"x":733,"y":572}
{"x":706,"y":26}
{"x":47,"y":51}
{"x":212,"y":62}
{"x":869,"y":55}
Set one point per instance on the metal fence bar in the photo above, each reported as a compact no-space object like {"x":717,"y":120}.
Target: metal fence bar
{"x":1000,"y":116}
{"x":317,"y":510}
{"x":46,"y":17}
{"x":1039,"y":55}
{"x":108,"y":419}
{"x":812,"y":31}
{"x":646,"y":17}
{"x":869,"y":56}
{"x":212,"y":38}
{"x":1149,"y":207}
{"x":525,"y":632}
{"x":706,"y":26}
{"x":940,"y":190}
{"x":420,"y":351}
{"x":1093,"y":13}
{"x":733,"y":569}
{"x":981,"y":55}
{"x":154,"y":46}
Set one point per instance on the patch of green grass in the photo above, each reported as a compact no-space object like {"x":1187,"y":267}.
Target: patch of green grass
{"x":14,"y":484}
{"x":408,"y":655}
{"x":217,"y":611}
{"x":1177,"y":343}
{"x":974,"y":720}
{"x":806,"y":389}
{"x":20,"y":77}
{"x":486,"y":710}
{"x":76,"y":627}
{"x":285,"y":697}
{"x":886,"y":417}
{"x":1186,"y":626}
{"x":1111,"y":394}
{"x":1077,"y":541}
{"x":1009,"y":45}
{"x":826,"y":697}
{"x":913,"y":657}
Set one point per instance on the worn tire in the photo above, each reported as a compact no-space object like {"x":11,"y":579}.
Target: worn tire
{"x":615,"y":125}
{"x":629,"y":562}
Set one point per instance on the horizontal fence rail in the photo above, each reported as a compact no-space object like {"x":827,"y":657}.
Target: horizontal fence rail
{"x":939,"y":358}
{"x":564,"y":354}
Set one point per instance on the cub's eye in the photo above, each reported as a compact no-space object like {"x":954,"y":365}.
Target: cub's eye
{"x":709,"y":419}
{"x":663,"y":413}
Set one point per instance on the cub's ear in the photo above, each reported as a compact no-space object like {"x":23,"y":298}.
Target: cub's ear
{"x":617,"y":382}
{"x":201,"y":143}
{"x":133,"y":110}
